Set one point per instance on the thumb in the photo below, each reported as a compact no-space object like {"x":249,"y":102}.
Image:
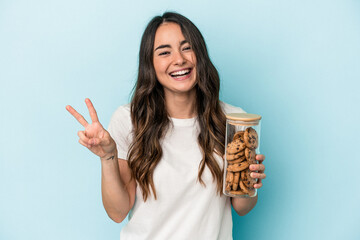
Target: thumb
{"x":94,"y":141}
{"x":105,"y":141}
{"x":99,"y":141}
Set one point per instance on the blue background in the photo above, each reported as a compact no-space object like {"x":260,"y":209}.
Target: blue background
{"x":294,"y":62}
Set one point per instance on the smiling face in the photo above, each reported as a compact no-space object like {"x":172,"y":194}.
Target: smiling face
{"x":174,"y":60}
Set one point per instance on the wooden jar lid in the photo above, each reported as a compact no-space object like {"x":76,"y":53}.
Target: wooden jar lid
{"x":244,"y":117}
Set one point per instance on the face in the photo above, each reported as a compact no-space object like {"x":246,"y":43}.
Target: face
{"x":174,"y":60}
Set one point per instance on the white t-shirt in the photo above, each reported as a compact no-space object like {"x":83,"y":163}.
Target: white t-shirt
{"x":184,"y":208}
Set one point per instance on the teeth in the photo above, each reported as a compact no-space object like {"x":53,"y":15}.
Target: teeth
{"x":182,"y":72}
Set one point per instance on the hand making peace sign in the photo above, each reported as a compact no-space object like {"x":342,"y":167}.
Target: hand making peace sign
{"x":94,"y":137}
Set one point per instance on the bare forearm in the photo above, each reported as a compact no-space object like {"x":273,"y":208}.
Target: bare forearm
{"x":244,"y":205}
{"x":114,"y":193}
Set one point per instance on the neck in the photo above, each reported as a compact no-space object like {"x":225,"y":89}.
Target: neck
{"x":181,"y":105}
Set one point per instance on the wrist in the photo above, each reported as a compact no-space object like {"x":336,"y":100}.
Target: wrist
{"x":109,"y":156}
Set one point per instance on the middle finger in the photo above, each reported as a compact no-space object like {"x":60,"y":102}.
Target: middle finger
{"x":92,"y":111}
{"x":258,"y":175}
{"x":257,"y":167}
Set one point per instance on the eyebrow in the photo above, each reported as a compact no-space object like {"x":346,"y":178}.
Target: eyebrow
{"x":168,"y":46}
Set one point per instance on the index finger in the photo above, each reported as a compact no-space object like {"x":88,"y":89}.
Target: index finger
{"x":92,"y":111}
{"x":77,"y":115}
{"x":260,"y":157}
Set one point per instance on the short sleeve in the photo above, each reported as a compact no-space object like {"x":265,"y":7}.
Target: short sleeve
{"x":227,"y":108}
{"x":120,"y":129}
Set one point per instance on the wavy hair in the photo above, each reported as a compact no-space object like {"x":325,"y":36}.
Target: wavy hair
{"x":150,"y":118}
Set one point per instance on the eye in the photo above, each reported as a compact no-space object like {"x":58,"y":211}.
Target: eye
{"x":164,"y":53}
{"x":187,"y":48}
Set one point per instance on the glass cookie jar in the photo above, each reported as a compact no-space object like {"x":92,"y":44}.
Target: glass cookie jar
{"x":242,"y":142}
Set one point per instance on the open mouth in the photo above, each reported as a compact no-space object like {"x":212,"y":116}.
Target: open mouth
{"x":181,"y":73}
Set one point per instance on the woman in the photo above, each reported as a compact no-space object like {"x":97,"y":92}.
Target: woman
{"x":162,"y":158}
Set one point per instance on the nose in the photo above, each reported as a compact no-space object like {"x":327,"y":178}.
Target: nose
{"x":179,"y":59}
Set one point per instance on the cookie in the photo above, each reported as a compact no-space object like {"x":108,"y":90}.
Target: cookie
{"x":235,"y":156}
{"x":237,"y":167}
{"x":239,"y":135}
{"x":238,"y":192}
{"x":235,"y":146}
{"x":250,"y":155}
{"x":243,"y":187}
{"x":229,"y":177}
{"x":244,"y":178}
{"x":249,"y":181}
{"x":228,"y":186}
{"x":239,"y":160}
{"x":243,"y":175}
{"x":251,"y":138}
{"x":236,"y":181}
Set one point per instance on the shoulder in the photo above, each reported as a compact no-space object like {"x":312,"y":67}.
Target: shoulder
{"x":120,"y":128}
{"x":121,"y":112}
{"x":121,"y":116}
{"x":227,"y":108}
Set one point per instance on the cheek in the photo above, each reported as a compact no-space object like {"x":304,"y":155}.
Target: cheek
{"x":193,"y":58}
{"x":159,"y":67}
{"x":194,"y":63}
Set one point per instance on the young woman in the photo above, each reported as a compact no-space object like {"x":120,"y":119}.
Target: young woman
{"x":162,"y":156}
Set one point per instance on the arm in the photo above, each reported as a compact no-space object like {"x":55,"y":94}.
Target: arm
{"x":244,"y":205}
{"x":118,"y":190}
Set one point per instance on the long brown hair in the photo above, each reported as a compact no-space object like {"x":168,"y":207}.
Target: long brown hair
{"x":150,"y":118}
